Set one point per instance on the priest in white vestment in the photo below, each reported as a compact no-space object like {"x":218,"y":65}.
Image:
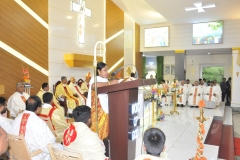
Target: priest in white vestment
{"x":154,"y":144}
{"x":79,"y":138}
{"x":189,"y":86}
{"x":203,"y":87}
{"x":182,"y":93}
{"x":59,"y":121}
{"x":195,"y":95}
{"x":16,"y":102}
{"x":76,"y":90}
{"x":219,"y":92}
{"x":210,"y":96}
{"x":4,"y":121}
{"x":34,"y":129}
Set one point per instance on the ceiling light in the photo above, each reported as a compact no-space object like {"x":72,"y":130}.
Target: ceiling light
{"x":209,"y":53}
{"x":199,"y":7}
{"x":69,"y":17}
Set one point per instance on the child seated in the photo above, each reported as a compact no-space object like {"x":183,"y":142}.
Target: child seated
{"x":154,"y":144}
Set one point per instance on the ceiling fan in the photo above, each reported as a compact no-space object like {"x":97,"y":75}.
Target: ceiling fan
{"x":199,"y":7}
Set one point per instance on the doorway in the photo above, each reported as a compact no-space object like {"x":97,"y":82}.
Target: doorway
{"x":212,"y":72}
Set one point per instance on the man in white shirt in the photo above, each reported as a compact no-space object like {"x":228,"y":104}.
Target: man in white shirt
{"x":3,"y":141}
{"x":195,"y":95}
{"x":34,"y":129}
{"x":219,"y":92}
{"x":154,"y":144}
{"x":80,"y":139}
{"x":210,"y":96}
{"x":4,"y":121}
{"x":182,"y":92}
{"x":76,"y":90}
{"x":16,"y":102}
{"x":189,"y":86}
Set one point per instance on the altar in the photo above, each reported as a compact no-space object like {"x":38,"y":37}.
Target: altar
{"x":180,"y":130}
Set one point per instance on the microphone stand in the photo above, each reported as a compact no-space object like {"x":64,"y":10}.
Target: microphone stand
{"x":95,"y":79}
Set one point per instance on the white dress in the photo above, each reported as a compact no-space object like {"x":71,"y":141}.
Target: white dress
{"x":195,"y":91}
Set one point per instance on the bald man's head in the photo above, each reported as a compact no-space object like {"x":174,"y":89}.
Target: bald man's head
{"x":72,"y":79}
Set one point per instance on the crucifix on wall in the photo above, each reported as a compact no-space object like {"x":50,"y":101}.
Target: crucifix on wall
{"x":82,"y":11}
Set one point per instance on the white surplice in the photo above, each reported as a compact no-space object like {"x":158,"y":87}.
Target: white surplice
{"x":210,"y":99}
{"x":103,"y":98}
{"x":37,"y":134}
{"x":16,"y":104}
{"x":77,"y":90}
{"x":189,"y":86}
{"x":203,"y":87}
{"x":191,"y":98}
{"x":183,"y":90}
{"x":5,"y":123}
{"x":219,"y":94}
{"x":86,"y":142}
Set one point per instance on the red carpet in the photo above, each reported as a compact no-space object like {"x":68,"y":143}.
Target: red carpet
{"x":237,"y":146}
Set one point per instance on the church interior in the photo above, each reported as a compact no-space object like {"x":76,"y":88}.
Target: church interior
{"x":170,"y":65}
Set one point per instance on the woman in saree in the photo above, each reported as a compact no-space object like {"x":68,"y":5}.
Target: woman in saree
{"x":102,"y":106}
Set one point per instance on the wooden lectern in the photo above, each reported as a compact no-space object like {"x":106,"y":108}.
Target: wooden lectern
{"x":119,"y":97}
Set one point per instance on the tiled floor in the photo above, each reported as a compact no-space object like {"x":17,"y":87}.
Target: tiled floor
{"x":181,"y":132}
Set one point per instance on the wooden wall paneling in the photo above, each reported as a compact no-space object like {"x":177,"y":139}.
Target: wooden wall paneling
{"x":115,"y":50}
{"x":23,"y":33}
{"x":114,"y":19}
{"x":138,"y":54}
{"x":11,"y":74}
{"x":39,"y":7}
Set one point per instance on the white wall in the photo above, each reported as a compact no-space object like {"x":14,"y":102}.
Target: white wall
{"x":194,"y":62}
{"x":63,"y":36}
{"x":181,"y":37}
{"x":169,"y":60}
{"x":129,"y":43}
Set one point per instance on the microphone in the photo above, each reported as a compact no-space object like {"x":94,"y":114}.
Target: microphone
{"x":114,"y":73}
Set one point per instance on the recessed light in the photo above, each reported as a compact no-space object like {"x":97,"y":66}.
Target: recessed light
{"x":209,"y":53}
{"x":69,"y":17}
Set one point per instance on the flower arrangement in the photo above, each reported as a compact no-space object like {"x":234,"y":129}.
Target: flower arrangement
{"x":161,"y":116}
{"x":26,"y":75}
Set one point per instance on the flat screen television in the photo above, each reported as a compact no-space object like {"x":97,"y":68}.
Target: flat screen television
{"x":208,"y":33}
{"x":156,"y":37}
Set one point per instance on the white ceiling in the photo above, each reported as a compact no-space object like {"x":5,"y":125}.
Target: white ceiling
{"x":140,"y":11}
{"x":173,"y":11}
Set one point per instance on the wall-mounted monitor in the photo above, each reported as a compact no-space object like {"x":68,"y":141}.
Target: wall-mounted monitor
{"x":157,"y":37}
{"x":208,"y":33}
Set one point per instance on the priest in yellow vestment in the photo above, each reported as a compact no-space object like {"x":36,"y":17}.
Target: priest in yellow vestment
{"x":59,"y":122}
{"x":63,"y":90}
{"x":44,"y":89}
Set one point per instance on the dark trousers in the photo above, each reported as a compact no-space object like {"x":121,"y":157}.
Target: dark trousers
{"x":223,"y":96}
{"x":228,"y":96}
